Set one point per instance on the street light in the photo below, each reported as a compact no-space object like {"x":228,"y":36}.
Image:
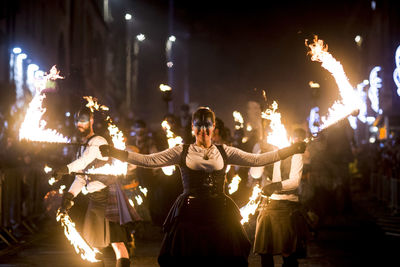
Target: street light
{"x":172,"y":38}
{"x":140,"y":37}
{"x":128,"y":97}
{"x":169,"y":57}
{"x":166,"y":92}
{"x":128,"y":16}
{"x":358,"y":39}
{"x":17,"y":50}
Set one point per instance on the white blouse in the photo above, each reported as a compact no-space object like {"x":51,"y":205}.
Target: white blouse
{"x":90,"y":153}
{"x":195,"y":159}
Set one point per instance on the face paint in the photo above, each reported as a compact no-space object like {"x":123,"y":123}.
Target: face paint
{"x":203,"y":118}
{"x":82,"y":119}
{"x":206,"y":124}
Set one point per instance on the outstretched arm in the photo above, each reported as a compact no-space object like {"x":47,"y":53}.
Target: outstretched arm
{"x":164,"y":158}
{"x":241,"y":158}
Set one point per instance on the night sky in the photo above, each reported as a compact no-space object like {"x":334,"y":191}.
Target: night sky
{"x":238,"y":49}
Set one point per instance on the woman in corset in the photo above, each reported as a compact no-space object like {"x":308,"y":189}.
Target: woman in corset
{"x":203,"y":226}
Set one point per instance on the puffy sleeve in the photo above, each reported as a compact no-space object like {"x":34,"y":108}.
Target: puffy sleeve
{"x":239,"y":157}
{"x":91,"y":153}
{"x":168,"y":157}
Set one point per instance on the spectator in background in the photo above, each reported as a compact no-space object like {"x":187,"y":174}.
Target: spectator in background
{"x":220,"y":135}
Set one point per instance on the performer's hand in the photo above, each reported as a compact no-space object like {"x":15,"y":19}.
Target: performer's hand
{"x":110,"y":151}
{"x":66,"y":202}
{"x":59,"y":173}
{"x":296,"y":148}
{"x":269,"y":189}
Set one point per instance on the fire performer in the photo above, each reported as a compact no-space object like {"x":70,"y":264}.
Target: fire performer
{"x":203,"y":226}
{"x":281,"y":227}
{"x":108,"y":210}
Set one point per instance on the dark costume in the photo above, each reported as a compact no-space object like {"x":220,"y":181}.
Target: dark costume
{"x":204,"y":224}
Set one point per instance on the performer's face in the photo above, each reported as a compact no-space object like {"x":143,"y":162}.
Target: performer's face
{"x":203,"y":129}
{"x":84,"y":125}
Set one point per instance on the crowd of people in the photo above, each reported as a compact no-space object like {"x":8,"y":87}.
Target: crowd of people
{"x":329,"y":165}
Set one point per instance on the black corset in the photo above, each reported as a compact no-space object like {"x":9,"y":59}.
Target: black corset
{"x":200,"y":183}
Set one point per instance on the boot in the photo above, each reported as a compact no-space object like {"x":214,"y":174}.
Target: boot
{"x":123,"y":262}
{"x":267,"y":260}
{"x":290,"y":261}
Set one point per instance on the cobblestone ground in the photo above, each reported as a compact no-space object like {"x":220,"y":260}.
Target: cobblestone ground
{"x":352,"y":241}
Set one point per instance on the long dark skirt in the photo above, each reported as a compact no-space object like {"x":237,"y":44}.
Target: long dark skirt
{"x":204,"y":232}
{"x":98,"y":231}
{"x":281,"y":229}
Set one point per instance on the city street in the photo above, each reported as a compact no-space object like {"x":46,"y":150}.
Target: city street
{"x":358,"y":241}
{"x":156,"y":125}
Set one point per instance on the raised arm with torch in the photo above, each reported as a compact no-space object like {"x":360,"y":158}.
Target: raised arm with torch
{"x":108,"y":208}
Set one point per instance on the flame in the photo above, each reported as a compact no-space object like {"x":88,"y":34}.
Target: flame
{"x":165,"y":88}
{"x":93,"y":104}
{"x":234,"y":185}
{"x":239,"y":122}
{"x":264,"y":95}
{"x":139,"y":200}
{"x":228,"y":168}
{"x":117,"y":167}
{"x":173,"y":140}
{"x":350,"y":101}
{"x":143,"y":190}
{"x":278,"y":135}
{"x":131,"y":202}
{"x":47,"y":169}
{"x":33,"y":128}
{"x":80,"y":245}
{"x":251,"y":206}
{"x":52,"y":181}
{"x":61,"y":189}
{"x":313,"y":84}
{"x":249,"y":128}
